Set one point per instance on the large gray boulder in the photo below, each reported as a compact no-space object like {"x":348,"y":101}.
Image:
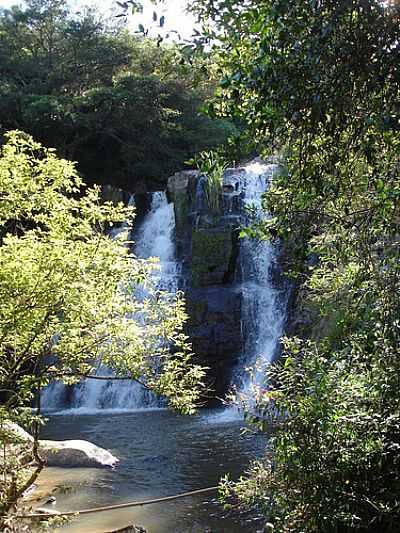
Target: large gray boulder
{"x":75,"y":453}
{"x":67,"y":453}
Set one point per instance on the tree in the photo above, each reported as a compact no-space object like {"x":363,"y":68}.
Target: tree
{"x":125,"y":107}
{"x":318,"y":81}
{"x":69,"y":300}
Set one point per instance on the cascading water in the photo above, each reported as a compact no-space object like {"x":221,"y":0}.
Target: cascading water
{"x":190,"y":451}
{"x":155,"y":238}
{"x":263,"y":302}
{"x":264,"y":295}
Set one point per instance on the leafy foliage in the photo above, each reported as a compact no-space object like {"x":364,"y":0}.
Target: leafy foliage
{"x":318,"y":80}
{"x":69,"y":300}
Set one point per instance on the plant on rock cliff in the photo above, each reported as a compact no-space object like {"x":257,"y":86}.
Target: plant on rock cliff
{"x":320,"y":79}
{"x":68,"y":299}
{"x":212,"y":166}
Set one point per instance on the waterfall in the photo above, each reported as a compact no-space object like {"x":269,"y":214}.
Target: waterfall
{"x":155,"y":238}
{"x":254,"y":291}
{"x":263,"y":300}
{"x":264,"y":294}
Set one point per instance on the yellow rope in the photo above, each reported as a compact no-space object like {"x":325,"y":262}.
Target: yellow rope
{"x":119,"y":506}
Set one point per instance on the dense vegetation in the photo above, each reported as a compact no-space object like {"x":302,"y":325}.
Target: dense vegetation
{"x":68,"y":301}
{"x":318,"y":81}
{"x":126,"y":108}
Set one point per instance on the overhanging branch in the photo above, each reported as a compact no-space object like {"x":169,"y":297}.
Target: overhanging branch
{"x":100,"y":378}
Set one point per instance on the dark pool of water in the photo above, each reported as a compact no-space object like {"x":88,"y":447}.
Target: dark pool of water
{"x":160,"y":454}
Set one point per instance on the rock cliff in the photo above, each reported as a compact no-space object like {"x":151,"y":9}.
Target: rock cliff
{"x":207,"y":244}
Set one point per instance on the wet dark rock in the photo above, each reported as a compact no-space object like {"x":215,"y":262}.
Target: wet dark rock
{"x":213,"y":257}
{"x":208,"y":249}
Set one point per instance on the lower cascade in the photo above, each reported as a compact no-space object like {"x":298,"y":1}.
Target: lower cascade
{"x":236,"y":296}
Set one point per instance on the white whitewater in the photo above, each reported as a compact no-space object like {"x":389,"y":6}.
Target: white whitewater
{"x":263,"y":302}
{"x":155,"y":238}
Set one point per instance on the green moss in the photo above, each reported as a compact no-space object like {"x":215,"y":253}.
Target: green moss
{"x":181,"y":206}
{"x":211,"y":252}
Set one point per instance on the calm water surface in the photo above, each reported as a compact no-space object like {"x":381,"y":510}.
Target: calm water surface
{"x":160,"y":454}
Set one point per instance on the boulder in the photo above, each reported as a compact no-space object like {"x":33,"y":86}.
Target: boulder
{"x":67,"y":453}
{"x":75,"y":453}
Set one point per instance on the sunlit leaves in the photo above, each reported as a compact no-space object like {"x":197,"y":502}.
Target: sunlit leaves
{"x":69,"y":296}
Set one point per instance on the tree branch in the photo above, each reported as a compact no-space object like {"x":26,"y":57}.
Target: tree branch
{"x":100,"y":378}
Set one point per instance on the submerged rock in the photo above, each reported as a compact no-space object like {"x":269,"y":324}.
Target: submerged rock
{"x":129,"y":529}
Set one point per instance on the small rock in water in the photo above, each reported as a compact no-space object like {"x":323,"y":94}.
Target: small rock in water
{"x":155,"y":458}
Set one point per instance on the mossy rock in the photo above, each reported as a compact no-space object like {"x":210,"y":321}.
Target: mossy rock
{"x":181,"y":207}
{"x":211,"y":257}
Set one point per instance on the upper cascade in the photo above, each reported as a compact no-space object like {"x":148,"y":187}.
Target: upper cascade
{"x":156,"y":238}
